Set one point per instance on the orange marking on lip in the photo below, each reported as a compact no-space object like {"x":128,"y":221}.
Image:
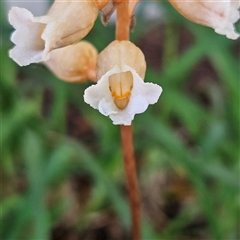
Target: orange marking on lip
{"x":128,"y":93}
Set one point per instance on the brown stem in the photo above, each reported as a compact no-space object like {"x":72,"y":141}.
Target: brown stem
{"x":123,"y":21}
{"x":122,"y":33}
{"x":130,"y":169}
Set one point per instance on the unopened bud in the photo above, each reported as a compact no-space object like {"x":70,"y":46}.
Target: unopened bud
{"x":74,"y":63}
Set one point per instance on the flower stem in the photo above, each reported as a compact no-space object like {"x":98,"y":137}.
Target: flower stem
{"x":130,"y":169}
{"x":122,"y":33}
{"x":123,"y":21}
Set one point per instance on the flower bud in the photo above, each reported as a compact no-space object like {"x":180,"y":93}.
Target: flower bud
{"x":74,"y":63}
{"x":120,"y":92}
{"x":220,"y":15}
{"x":66,"y":23}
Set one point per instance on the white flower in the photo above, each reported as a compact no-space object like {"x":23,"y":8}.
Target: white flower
{"x":120,"y":93}
{"x":66,"y":23}
{"x":219,"y":15}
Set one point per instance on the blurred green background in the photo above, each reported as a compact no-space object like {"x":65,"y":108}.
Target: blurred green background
{"x":61,"y":164}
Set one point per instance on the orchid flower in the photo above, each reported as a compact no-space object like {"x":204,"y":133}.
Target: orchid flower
{"x":120,"y":92}
{"x":66,"y":23}
{"x":220,"y":15}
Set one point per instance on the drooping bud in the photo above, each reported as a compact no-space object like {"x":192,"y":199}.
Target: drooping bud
{"x":74,"y":63}
{"x":120,"y":92}
{"x":220,"y":15}
{"x":66,"y":23}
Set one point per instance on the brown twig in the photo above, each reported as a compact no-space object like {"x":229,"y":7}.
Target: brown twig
{"x":130,"y":169}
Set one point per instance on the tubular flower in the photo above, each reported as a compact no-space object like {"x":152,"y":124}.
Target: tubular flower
{"x":66,"y":23}
{"x":74,"y":63}
{"x":220,"y":15}
{"x":120,"y":92}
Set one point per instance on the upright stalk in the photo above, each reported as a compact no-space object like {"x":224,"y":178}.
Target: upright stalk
{"x":123,"y":21}
{"x":130,"y":169}
{"x":122,"y":33}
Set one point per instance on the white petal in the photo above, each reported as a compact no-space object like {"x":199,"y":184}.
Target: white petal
{"x":151,"y":92}
{"x":107,"y":107}
{"x":122,"y":118}
{"x":228,"y":29}
{"x":95,"y":93}
{"x":28,"y":32}
{"x":24,"y":57}
{"x":138,"y":104}
{"x":29,"y":45}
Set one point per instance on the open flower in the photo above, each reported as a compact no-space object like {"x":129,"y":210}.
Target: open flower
{"x":220,"y":15}
{"x":74,"y":63}
{"x":120,"y":92}
{"x":66,"y":23}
